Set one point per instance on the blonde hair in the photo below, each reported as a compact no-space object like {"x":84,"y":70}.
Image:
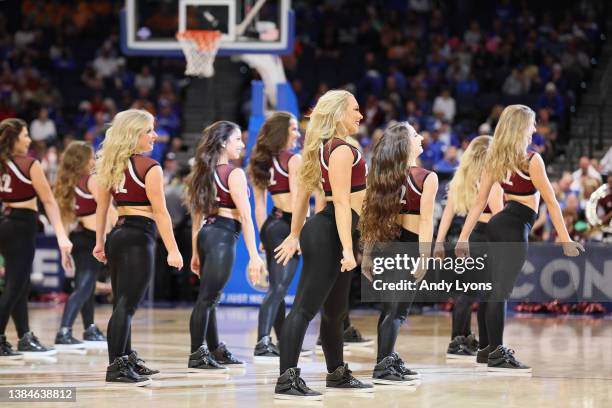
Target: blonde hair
{"x":119,"y":144}
{"x":325,"y":121}
{"x":464,"y":185}
{"x":73,"y":165}
{"x":508,"y":152}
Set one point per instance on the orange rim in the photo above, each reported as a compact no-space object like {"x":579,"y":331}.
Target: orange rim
{"x":204,"y":39}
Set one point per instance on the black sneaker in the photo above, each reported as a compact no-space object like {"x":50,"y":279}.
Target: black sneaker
{"x":458,"y":349}
{"x":401,"y":367}
{"x":139,"y":367}
{"x":482,"y":356}
{"x":65,"y":341}
{"x":472,"y":343}
{"x":341,"y":380}
{"x":264,"y":352}
{"x":290,"y":386}
{"x":352,"y":337}
{"x":121,"y":373}
{"x":93,"y":337}
{"x":29,"y":345}
{"x":503,"y":360}
{"x":386,"y":372}
{"x":224,"y":357}
{"x":6,"y":350}
{"x":201,"y":360}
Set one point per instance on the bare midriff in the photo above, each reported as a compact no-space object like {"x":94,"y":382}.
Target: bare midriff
{"x":532,"y":201}
{"x":355,"y":200}
{"x":30,"y":204}
{"x":139,"y":210}
{"x":282,"y":201}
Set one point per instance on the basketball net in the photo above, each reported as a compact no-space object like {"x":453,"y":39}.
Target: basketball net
{"x":200,"y":48}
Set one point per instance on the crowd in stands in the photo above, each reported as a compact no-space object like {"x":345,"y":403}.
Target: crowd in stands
{"x":449,"y":70}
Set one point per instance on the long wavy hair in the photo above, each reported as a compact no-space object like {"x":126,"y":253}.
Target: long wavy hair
{"x":508,"y":151}
{"x":201,"y":190}
{"x":272,"y":138}
{"x":73,"y":164}
{"x":9,"y":133}
{"x":119,"y":144}
{"x":386,"y":177}
{"x":464,"y":185}
{"x":325,"y":120}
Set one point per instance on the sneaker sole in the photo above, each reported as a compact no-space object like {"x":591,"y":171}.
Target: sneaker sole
{"x":307,"y":353}
{"x":510,"y":371}
{"x":459,"y":357}
{"x":265,"y":359}
{"x":349,"y":390}
{"x":60,"y":347}
{"x":413,"y":376}
{"x":285,"y":397}
{"x":38,"y":353}
{"x":380,"y":381}
{"x":207,"y":370}
{"x":16,"y":357}
{"x":118,"y":384}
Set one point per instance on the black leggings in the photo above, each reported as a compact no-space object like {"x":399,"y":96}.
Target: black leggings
{"x":18,"y":227}
{"x":86,"y":275}
{"x":321,"y":285}
{"x":462,"y":311}
{"x":217,"y":251}
{"x":512,"y":224}
{"x":393,"y":314}
{"x":130,"y":250}
{"x":272,"y":311}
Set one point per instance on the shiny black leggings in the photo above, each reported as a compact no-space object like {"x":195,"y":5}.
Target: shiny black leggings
{"x":17,"y":244}
{"x":462,"y":311}
{"x":272,"y":311}
{"x":217,"y":251}
{"x":511,"y":225}
{"x":393,"y":314}
{"x":130,"y":250}
{"x":86,"y":274}
{"x":321,"y":285}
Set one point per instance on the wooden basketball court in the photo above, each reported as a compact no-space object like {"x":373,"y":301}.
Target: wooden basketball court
{"x":571,"y":359}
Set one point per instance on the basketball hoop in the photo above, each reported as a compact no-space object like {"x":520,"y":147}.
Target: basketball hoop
{"x":200,"y":48}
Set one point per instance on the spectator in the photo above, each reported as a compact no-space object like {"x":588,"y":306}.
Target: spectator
{"x":449,"y":163}
{"x":552,"y":101}
{"x":144,"y":80}
{"x":444,"y":106}
{"x":585,"y":169}
{"x":42,"y":129}
{"x":516,"y":83}
{"x":106,"y":64}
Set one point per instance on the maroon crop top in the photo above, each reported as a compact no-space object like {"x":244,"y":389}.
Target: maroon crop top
{"x":132,"y":190}
{"x":85,"y":204}
{"x":15,"y":182}
{"x":359,"y":171}
{"x":223,"y":198}
{"x":279,"y":173}
{"x":413,"y":189}
{"x":519,"y":183}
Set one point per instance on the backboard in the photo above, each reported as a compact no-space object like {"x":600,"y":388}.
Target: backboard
{"x":148,"y":27}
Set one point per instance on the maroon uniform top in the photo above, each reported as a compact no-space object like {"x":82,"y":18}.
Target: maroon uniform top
{"x":223,"y":198}
{"x":84,"y":200}
{"x":15,"y":182}
{"x":413,"y":189}
{"x":279,"y":173}
{"x":519,"y":183}
{"x":359,"y":171}
{"x":132,"y":191}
